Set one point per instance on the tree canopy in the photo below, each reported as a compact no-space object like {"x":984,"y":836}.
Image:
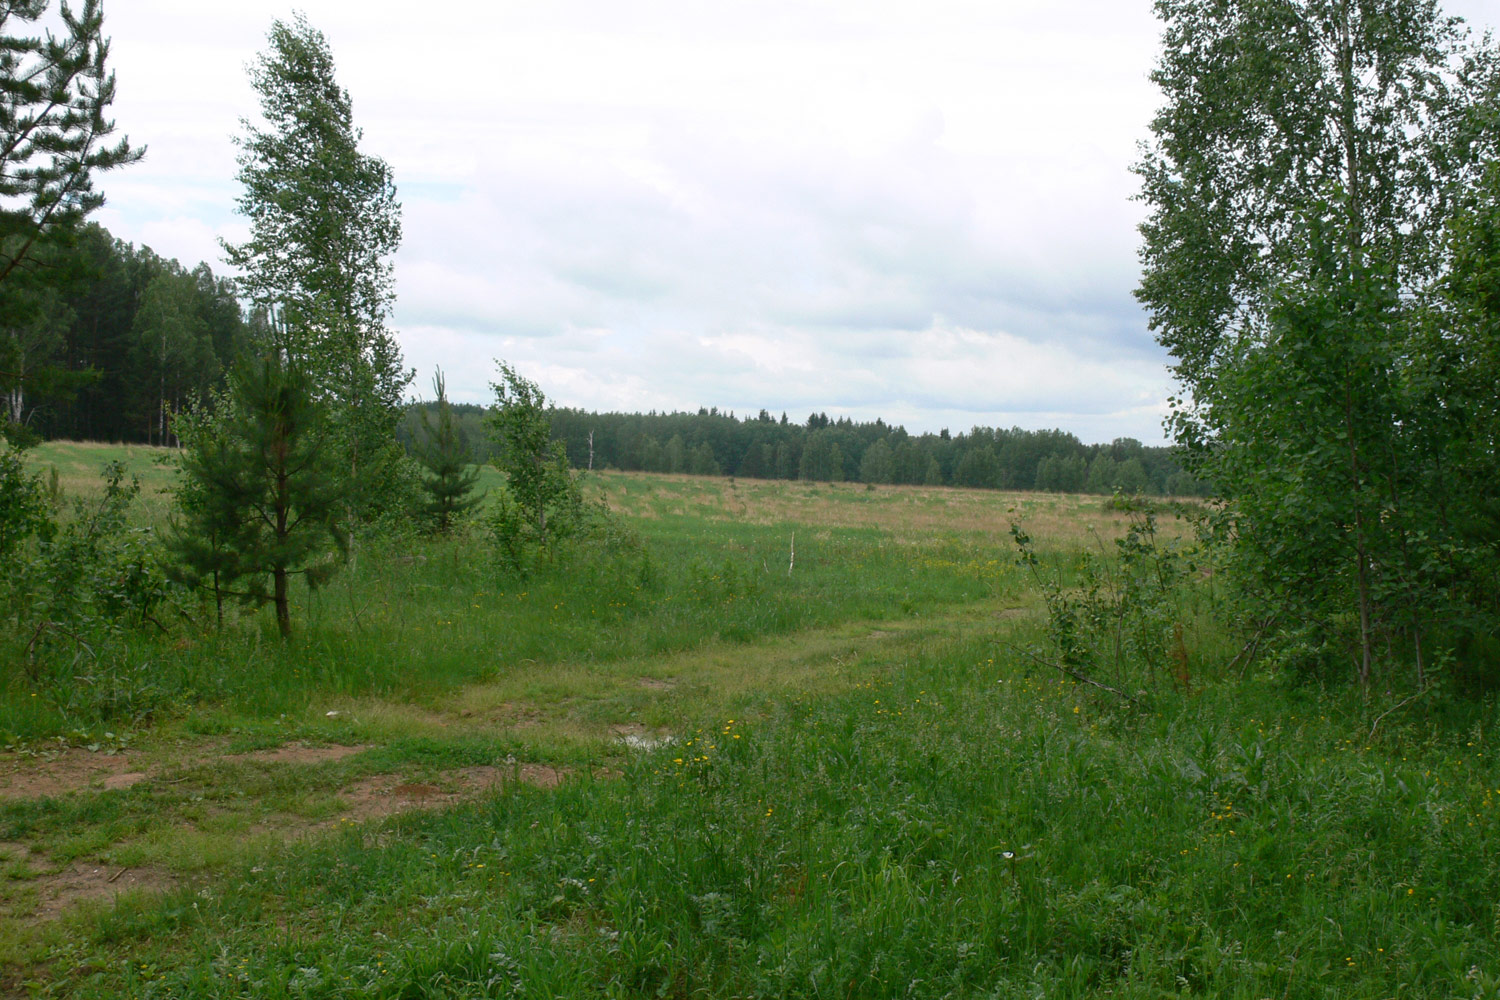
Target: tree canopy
{"x":1303,"y":180}
{"x":55,"y":92}
{"x":324,"y":227}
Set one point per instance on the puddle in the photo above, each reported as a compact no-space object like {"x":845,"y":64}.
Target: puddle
{"x":638,"y":737}
{"x":644,"y":743}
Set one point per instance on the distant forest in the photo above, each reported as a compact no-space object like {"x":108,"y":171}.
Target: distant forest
{"x":105,"y":341}
{"x":711,"y":443}
{"x":126,"y":338}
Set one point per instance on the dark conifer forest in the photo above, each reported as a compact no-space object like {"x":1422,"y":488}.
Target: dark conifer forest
{"x":113,"y":341}
{"x":823,"y":449}
{"x":107,"y":341}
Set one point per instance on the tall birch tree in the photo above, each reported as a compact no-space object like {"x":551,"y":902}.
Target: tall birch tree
{"x":1301,"y":178}
{"x":324,"y":227}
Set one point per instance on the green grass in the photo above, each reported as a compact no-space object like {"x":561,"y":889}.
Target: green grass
{"x":866,"y":792}
{"x":78,"y":466}
{"x":950,"y":825}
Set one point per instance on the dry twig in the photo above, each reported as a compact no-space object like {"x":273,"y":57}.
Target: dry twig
{"x":1071,"y":673}
{"x":1396,"y":708}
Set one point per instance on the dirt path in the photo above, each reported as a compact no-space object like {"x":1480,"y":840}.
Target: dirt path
{"x":187,"y":789}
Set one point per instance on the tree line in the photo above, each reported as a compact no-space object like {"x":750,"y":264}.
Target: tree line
{"x":101,"y":340}
{"x":824,"y":449}
{"x":109,"y":341}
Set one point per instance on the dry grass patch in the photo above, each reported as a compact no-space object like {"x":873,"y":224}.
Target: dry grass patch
{"x":906,"y":512}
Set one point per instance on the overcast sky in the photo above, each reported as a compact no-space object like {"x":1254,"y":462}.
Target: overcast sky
{"x":917,"y":211}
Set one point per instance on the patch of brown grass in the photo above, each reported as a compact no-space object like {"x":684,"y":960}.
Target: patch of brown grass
{"x":909,"y":513}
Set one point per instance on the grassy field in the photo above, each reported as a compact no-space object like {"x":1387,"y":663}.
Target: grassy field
{"x":706,"y":770}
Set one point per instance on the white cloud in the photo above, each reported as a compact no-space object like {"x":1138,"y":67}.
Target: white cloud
{"x":919,"y":212}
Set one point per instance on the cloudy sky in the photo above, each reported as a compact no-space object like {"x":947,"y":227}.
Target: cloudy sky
{"x":918,"y":211}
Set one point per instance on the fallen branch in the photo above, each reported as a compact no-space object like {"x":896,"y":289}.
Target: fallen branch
{"x":1396,"y":708}
{"x":1251,"y":647}
{"x":1071,"y":673}
{"x":117,"y":874}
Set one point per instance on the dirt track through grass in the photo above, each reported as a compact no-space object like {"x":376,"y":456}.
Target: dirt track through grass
{"x":84,"y":825}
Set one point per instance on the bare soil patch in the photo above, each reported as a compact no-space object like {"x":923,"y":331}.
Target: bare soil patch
{"x":118,"y":781}
{"x":301,"y":753}
{"x":44,"y":893}
{"x":516,"y":716}
{"x":71,"y":770}
{"x":388,"y":794}
{"x":47,"y":891}
{"x":82,"y":881}
{"x":76,"y":770}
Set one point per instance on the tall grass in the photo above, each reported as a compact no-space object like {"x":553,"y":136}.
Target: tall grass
{"x":957,"y":826}
{"x":413,"y":618}
{"x":951,"y":819}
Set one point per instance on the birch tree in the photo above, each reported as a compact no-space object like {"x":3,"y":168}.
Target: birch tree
{"x":324,"y":227}
{"x":1301,"y":178}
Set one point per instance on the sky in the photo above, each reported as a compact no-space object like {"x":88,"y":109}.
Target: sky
{"x":920,"y":212}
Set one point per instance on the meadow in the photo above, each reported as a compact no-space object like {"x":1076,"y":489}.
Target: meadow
{"x":794,"y":740}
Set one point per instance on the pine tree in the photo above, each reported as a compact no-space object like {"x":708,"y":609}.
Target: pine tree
{"x":262,"y":493}
{"x":54,"y":91}
{"x":444,"y":454}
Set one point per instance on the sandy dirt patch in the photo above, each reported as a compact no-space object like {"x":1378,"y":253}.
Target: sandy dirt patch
{"x":82,"y":881}
{"x":48,"y":890}
{"x":54,"y":774}
{"x":301,"y":753}
{"x":388,"y":794}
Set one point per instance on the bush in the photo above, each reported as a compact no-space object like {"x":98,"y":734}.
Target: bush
{"x":23,"y":503}
{"x":1125,"y":621}
{"x":79,"y":588}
